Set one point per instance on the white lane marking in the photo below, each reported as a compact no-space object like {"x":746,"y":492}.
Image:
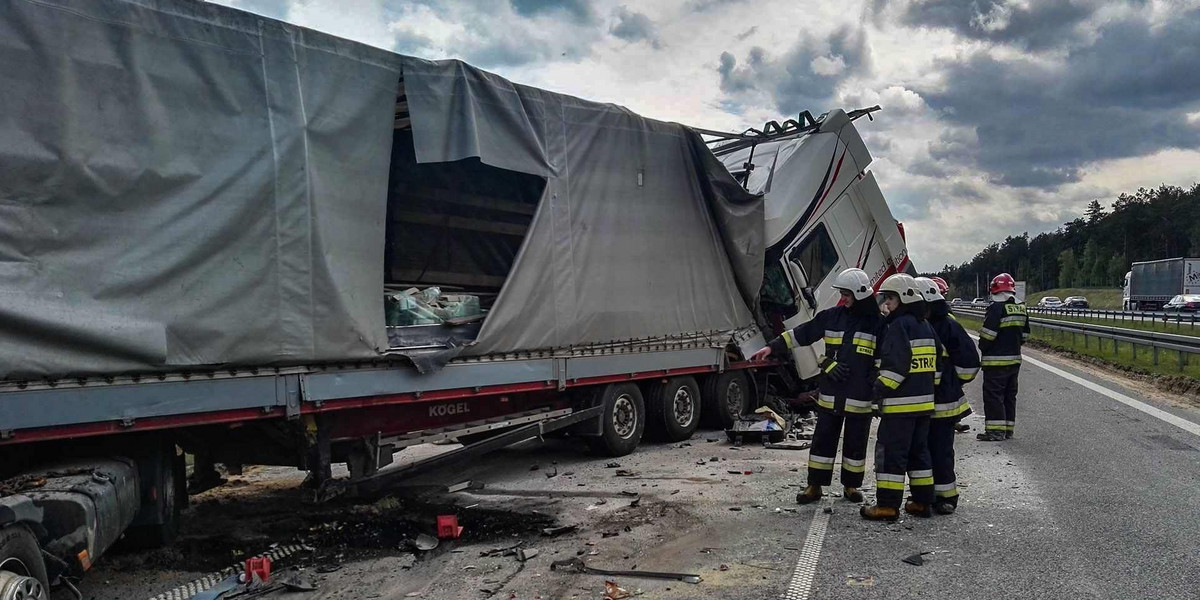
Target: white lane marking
{"x":800,"y":586}
{"x":1157,"y":413}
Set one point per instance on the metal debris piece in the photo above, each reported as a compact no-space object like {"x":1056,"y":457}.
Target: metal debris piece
{"x":216,"y":591}
{"x":458,"y":487}
{"x":735,"y":508}
{"x":629,"y":493}
{"x":524,"y":554}
{"x":501,"y":550}
{"x":788,"y":446}
{"x":626,"y":473}
{"x":608,"y":534}
{"x":612,"y":465}
{"x":575,"y":565}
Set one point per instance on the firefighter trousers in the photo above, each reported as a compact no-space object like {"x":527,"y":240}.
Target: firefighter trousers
{"x":1000,"y":398}
{"x":903,"y":448}
{"x":941,"y":451}
{"x":823,"y":453}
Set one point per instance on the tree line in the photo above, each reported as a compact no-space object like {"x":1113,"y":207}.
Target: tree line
{"x":1093,"y":250}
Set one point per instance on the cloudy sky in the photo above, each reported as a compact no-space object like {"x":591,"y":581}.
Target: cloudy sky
{"x":1000,"y":116}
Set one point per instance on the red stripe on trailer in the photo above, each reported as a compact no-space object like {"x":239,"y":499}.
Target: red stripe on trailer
{"x":233,"y":417}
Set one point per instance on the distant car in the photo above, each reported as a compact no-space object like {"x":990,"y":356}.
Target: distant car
{"x":1183,"y":303}
{"x":1076,"y":302}
{"x":1050,"y":302}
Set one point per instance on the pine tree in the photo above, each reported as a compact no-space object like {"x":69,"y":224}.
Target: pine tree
{"x":1066,"y":268}
{"x":1094,"y":212}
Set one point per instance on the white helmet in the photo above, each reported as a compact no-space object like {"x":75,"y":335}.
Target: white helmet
{"x":855,"y":281}
{"x":903,"y":286}
{"x":929,"y":289}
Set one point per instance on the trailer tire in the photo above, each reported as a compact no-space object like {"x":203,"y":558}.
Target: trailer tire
{"x":673,"y":408}
{"x":622,"y":421}
{"x":727,"y":397}
{"x":21,"y":562}
{"x":168,"y":505}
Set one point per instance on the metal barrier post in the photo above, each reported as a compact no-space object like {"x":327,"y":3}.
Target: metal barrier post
{"x":1155,"y":352}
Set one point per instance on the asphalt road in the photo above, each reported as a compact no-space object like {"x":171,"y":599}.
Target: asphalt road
{"x":1092,"y":499}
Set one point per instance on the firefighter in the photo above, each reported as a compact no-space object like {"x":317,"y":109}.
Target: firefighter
{"x":1005,"y":329}
{"x":844,"y":402}
{"x":959,"y":366}
{"x":903,"y":390}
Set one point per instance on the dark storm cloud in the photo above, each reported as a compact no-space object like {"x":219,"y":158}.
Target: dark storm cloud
{"x":635,"y":27}
{"x":1038,"y":26}
{"x":579,"y":11}
{"x":1125,"y":95}
{"x":806,"y":76}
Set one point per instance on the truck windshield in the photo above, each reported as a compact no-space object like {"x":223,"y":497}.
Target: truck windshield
{"x":816,"y":255}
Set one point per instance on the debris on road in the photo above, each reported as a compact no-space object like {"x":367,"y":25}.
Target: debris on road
{"x":552,"y":475}
{"x":612,"y":465}
{"x":626,"y":473}
{"x":575,"y":565}
{"x":257,"y":568}
{"x":501,"y":550}
{"x":458,"y":487}
{"x":426,"y":542}
{"x":448,"y":527}
{"x":723,"y":567}
{"x":612,"y":591}
{"x":860,"y":580}
{"x":915,"y":559}
{"x":216,"y":591}
{"x":557,"y":531}
{"x":788,"y":446}
{"x":298,"y":583}
{"x":526,"y":554}
{"x":630,"y":493}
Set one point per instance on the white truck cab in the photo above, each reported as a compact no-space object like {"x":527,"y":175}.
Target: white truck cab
{"x":824,"y":213}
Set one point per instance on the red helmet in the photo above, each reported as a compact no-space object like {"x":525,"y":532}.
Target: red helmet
{"x":1003,"y":283}
{"x":941,"y":284}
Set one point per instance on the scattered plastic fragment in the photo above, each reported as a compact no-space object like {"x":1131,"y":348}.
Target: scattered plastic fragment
{"x":426,"y":542}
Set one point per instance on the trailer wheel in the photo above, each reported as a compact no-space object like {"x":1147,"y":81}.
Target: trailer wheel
{"x":673,"y":408}
{"x":727,"y":397}
{"x":166,"y":506}
{"x":622,"y":421}
{"x":22,"y":572}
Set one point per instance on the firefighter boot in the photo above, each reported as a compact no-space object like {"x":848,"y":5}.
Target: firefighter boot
{"x":944,"y":508}
{"x":852,"y":494}
{"x":1008,"y":435}
{"x":962,"y":427}
{"x":876,"y":512}
{"x":918,"y":509}
{"x":990,"y":436}
{"x":810,"y":494}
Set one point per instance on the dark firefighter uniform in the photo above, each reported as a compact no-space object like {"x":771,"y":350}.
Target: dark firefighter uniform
{"x":908,"y":373}
{"x":850,"y":339}
{"x":959,"y":366}
{"x":1005,"y":329}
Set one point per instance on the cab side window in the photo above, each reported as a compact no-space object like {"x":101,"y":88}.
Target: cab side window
{"x":816,"y":255}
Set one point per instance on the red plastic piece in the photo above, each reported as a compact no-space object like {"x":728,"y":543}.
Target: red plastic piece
{"x":448,"y":528}
{"x":259,"y":565}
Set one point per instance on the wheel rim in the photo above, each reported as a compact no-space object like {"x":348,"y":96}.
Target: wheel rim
{"x":683,"y":406}
{"x":15,"y":586}
{"x":624,"y":416}
{"x":734,"y":399}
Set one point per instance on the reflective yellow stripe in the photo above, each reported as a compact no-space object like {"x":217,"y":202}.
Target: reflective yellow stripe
{"x":921,"y":481}
{"x":908,"y":408}
{"x":853,"y":468}
{"x":833,"y":341}
{"x":890,"y":485}
{"x":825,"y":401}
{"x":789,"y":339}
{"x":831,"y":366}
{"x":922,"y":350}
{"x":1000,"y":363}
{"x":952,"y":412}
{"x":819,"y":466}
{"x":890,"y":383}
{"x":946,"y":493}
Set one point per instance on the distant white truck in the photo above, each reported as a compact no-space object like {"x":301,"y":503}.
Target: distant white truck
{"x":1151,"y":284}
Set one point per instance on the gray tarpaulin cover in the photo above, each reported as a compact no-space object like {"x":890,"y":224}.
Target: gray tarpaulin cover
{"x":182,"y":185}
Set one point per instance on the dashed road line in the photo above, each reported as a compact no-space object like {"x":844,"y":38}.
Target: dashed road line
{"x":800,"y":586}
